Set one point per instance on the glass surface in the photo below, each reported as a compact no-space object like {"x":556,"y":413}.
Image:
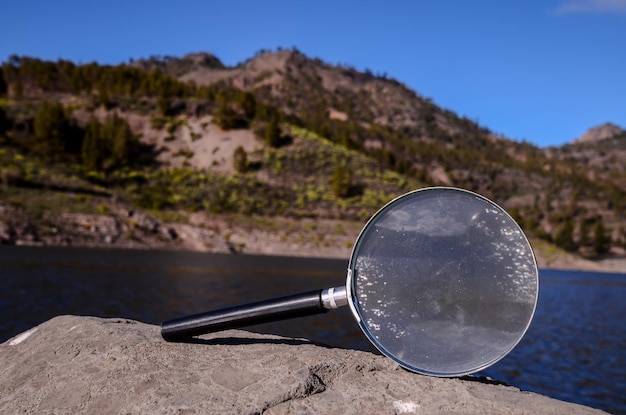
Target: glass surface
{"x":443,"y":281}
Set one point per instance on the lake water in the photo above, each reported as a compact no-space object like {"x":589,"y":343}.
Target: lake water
{"x":575,"y":349}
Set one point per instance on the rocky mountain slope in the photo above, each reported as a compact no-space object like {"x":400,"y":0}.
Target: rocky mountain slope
{"x":280,"y":136}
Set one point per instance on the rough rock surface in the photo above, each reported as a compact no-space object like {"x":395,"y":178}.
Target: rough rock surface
{"x":600,"y":132}
{"x":91,"y":365}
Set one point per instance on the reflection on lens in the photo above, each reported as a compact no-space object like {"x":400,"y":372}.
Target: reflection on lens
{"x":443,"y":281}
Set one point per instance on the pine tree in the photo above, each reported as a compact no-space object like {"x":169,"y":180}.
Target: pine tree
{"x":564,"y":237}
{"x":601,"y":239}
{"x":52,"y":128}
{"x":122,"y":142}
{"x":92,"y":151}
{"x":164,"y":103}
{"x":585,"y":231}
{"x":18,"y":89}
{"x":272,"y":133}
{"x":3,"y":84}
{"x":341,"y":181}
{"x":240,"y":159}
{"x":248,"y":105}
{"x":103,"y":95}
{"x":226,"y":117}
{"x":4,"y":121}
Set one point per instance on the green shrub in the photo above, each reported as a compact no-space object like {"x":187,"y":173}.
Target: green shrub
{"x":158,"y":123}
{"x":228,"y":119}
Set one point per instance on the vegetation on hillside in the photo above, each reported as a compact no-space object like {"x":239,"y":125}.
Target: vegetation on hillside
{"x":386,"y":140}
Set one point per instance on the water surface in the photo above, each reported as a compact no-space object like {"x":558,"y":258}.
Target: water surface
{"x":575,"y":349}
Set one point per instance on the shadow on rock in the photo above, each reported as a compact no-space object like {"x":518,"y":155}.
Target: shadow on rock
{"x":240,"y":341}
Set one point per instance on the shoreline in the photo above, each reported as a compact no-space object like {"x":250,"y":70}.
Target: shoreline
{"x":126,"y":228}
{"x":575,"y":264}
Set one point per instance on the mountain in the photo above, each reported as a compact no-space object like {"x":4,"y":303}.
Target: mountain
{"x":600,"y":132}
{"x":602,"y":150}
{"x":387,"y":120}
{"x":300,"y":85}
{"x":286,"y":135}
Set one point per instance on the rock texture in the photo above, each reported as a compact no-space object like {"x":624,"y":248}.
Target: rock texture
{"x":88,"y":365}
{"x":119,"y":227}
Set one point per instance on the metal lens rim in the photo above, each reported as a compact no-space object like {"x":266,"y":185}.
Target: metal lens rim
{"x":353,"y":303}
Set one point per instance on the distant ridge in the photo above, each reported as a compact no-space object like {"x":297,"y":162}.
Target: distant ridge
{"x":601,"y":132}
{"x":176,"y":67}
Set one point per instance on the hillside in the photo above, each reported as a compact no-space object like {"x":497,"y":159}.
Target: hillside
{"x":280,"y":137}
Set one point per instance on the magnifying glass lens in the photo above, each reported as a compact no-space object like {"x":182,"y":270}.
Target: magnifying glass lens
{"x":443,"y":281}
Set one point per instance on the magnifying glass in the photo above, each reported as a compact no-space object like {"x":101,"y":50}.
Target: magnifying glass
{"x":441,"y":280}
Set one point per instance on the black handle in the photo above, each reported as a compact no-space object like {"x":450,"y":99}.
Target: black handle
{"x":282,"y":308}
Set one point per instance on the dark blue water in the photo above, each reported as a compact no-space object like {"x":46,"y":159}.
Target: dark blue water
{"x":575,"y":349}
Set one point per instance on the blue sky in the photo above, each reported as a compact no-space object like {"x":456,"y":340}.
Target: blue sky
{"x":543,"y":71}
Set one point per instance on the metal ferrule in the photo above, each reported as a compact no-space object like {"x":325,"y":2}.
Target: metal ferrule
{"x":334,"y":298}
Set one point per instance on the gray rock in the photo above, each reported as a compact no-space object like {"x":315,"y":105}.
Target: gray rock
{"x":90,"y":365}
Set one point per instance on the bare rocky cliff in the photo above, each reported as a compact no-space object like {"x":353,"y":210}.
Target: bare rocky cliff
{"x":88,"y":365}
{"x":601,"y":132}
